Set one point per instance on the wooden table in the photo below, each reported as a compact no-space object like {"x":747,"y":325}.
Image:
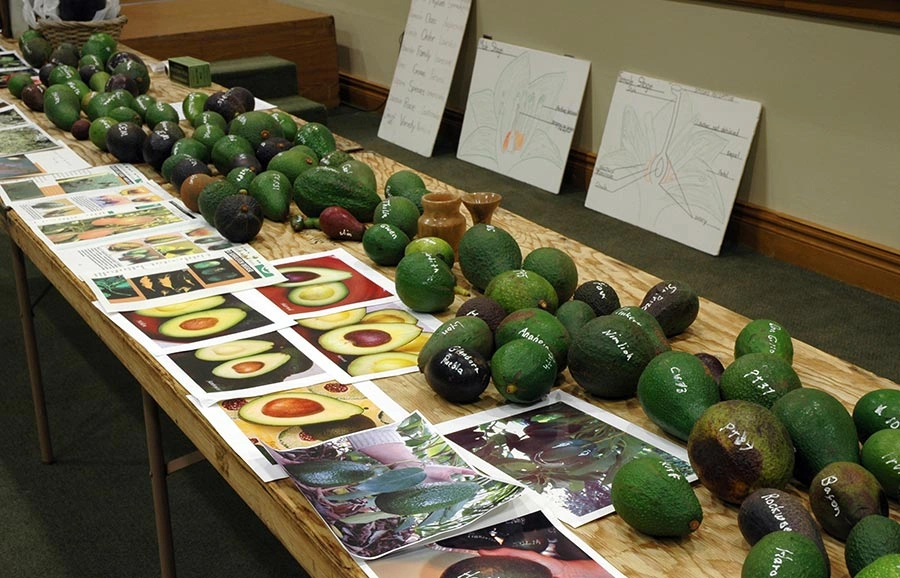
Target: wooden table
{"x":716,"y":549}
{"x":213,"y":30}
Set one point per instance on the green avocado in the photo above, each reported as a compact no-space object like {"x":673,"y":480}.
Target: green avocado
{"x":299,"y":276}
{"x":233,"y":349}
{"x":251,"y":365}
{"x":426,"y":498}
{"x":334,"y":320}
{"x":295,"y":408}
{"x":202,"y":323}
{"x":183,"y":308}
{"x":318,"y":294}
{"x":368,"y":338}
{"x":330,"y":473}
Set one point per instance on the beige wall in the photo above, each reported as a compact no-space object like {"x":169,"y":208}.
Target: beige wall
{"x":828,"y":148}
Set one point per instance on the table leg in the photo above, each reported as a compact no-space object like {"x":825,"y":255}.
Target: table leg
{"x":158,"y":484}
{"x":31,"y":353}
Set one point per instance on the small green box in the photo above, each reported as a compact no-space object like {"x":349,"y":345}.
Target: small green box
{"x":190,"y":71}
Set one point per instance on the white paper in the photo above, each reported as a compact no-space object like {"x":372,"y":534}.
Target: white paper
{"x":521,"y":112}
{"x":671,"y":159}
{"x":428,"y":54}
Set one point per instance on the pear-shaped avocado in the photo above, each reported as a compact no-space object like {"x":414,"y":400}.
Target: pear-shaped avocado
{"x":368,"y":338}
{"x":251,"y":365}
{"x":292,"y":408}
{"x":255,"y":126}
{"x":202,"y":323}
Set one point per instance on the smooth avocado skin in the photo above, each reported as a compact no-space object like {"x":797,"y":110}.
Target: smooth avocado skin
{"x":496,"y":567}
{"x":654,"y":498}
{"x":674,"y":304}
{"x":295,"y":408}
{"x":426,"y":497}
{"x":321,"y":187}
{"x":329,"y":473}
{"x":425,"y":283}
{"x":472,"y":333}
{"x":821,"y":428}
{"x":785,"y":555}
{"x":202,"y":323}
{"x":486,"y":251}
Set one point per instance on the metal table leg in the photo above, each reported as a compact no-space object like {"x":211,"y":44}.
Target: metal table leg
{"x":31,"y":353}
{"x":159,"y":486}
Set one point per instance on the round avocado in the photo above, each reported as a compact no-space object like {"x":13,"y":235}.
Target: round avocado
{"x":368,"y":338}
{"x":202,"y":323}
{"x":298,"y":276}
{"x":318,"y":294}
{"x":233,"y":349}
{"x":290,"y":408}
{"x":251,"y":365}
{"x":458,"y":374}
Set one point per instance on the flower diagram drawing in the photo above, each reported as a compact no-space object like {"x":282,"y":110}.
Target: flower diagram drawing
{"x":671,"y":159}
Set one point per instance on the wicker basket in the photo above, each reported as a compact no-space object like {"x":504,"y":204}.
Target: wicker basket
{"x":77,"y":32}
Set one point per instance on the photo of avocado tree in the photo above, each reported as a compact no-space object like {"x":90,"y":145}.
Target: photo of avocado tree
{"x":519,"y":540}
{"x":24,"y":139}
{"x":385,"y":489}
{"x":369,"y":342}
{"x":245,"y":367}
{"x":330,"y":281}
{"x":566,"y":450}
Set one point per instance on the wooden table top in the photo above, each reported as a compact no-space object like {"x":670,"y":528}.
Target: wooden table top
{"x":717,"y":549}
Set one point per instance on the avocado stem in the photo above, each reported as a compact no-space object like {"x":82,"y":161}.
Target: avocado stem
{"x":461,"y":291}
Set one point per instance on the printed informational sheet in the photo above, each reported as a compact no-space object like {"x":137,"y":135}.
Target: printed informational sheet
{"x":11,"y":61}
{"x":20,"y":139}
{"x":39,"y":163}
{"x":81,"y":191}
{"x":521,"y":112}
{"x":67,"y":232}
{"x":428,"y":53}
{"x":141,"y":251}
{"x":327,"y":282}
{"x":539,"y":544}
{"x":214,"y":321}
{"x":297,"y":418}
{"x":264,"y":364}
{"x":10,"y":117}
{"x":566,"y":450}
{"x":369,"y":342}
{"x":165,"y":283}
{"x":385,"y":489}
{"x":672,"y":158}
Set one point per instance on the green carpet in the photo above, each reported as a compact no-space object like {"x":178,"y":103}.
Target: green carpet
{"x":90,"y":514}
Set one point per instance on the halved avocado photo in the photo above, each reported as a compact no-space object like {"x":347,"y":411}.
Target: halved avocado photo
{"x":297,"y":408}
{"x":390,"y":316}
{"x":233,"y":349}
{"x":183,"y":308}
{"x":202,"y":323}
{"x":299,"y":276}
{"x":368,"y":338}
{"x":334,"y":320}
{"x":381,"y":362}
{"x":251,"y":365}
{"x":319,"y":294}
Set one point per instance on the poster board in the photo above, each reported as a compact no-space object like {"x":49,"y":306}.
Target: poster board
{"x":521,"y":112}
{"x":428,"y":53}
{"x":671,"y":159}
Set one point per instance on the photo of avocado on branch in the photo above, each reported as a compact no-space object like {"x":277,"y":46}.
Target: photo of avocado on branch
{"x":331,"y":281}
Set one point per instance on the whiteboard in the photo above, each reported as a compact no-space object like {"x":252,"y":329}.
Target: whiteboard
{"x":428,"y":54}
{"x":521,"y":112}
{"x":671,"y":159}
